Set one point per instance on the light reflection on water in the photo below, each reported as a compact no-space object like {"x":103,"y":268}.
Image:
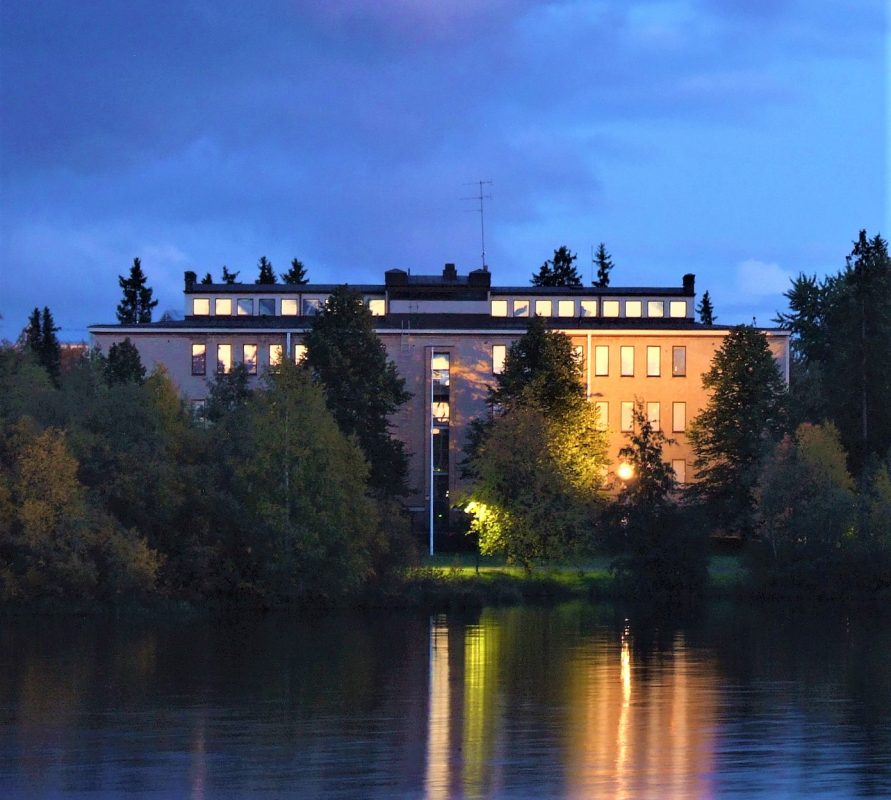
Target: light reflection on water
{"x":570,"y":701}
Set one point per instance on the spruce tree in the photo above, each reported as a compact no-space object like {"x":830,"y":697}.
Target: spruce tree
{"x":559,"y":271}
{"x":706,"y":311}
{"x":297,"y":274}
{"x":124,"y":364}
{"x":207,"y":280}
{"x":50,"y":351}
{"x":136,"y":305}
{"x":32,"y":338}
{"x":267,"y":274}
{"x":229,"y":277}
{"x":604,"y":264}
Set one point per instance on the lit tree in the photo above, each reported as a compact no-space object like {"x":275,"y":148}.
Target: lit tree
{"x":559,"y":271}
{"x":136,"y":305}
{"x":604,"y":265}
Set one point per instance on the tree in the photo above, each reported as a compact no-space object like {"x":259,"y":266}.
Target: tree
{"x":296,"y":275}
{"x":604,"y":264}
{"x":652,"y":479}
{"x":559,"y":271}
{"x":136,"y":305}
{"x":228,"y":392}
{"x":33,"y":338}
{"x":207,"y":280}
{"x":362,"y":387}
{"x":744,"y":416}
{"x":705,"y":310}
{"x":267,"y":274}
{"x":230,"y":277}
{"x":50,"y":352}
{"x":124,"y":364}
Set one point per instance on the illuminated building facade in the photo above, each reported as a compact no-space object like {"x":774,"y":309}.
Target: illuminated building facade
{"x":448,"y":335}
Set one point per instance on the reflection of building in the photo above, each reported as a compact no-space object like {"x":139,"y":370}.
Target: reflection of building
{"x":448,"y":335}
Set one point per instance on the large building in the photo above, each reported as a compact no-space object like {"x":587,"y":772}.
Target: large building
{"x":448,"y":335}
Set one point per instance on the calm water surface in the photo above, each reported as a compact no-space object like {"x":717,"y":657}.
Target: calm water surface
{"x":572,"y":701}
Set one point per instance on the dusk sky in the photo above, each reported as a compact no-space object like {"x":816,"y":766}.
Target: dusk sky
{"x":741,"y":140}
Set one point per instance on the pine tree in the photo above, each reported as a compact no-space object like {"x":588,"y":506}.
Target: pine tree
{"x":229,"y":277}
{"x":32,"y":337}
{"x":267,"y":274}
{"x":50,"y":351}
{"x":706,"y":311}
{"x":559,"y":271}
{"x":207,"y":280}
{"x":136,"y":306}
{"x":297,"y":274}
{"x":604,"y":264}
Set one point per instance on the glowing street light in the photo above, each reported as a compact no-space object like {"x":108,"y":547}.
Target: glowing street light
{"x":625,"y":471}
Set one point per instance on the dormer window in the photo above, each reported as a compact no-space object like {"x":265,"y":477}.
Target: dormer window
{"x":201,"y":306}
{"x":223,"y":307}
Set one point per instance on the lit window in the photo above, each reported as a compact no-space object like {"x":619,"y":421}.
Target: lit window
{"x":245,"y":307}
{"x":678,"y":417}
{"x":680,"y":470}
{"x":199,"y":359}
{"x":610,"y":308}
{"x":441,"y":411}
{"x":654,"y":365}
{"x":499,"y":352}
{"x":440,"y":377}
{"x":311,"y":306}
{"x":224,"y":357}
{"x":678,"y":361}
{"x":601,"y":359}
{"x":566,"y":308}
{"x":249,"y":358}
{"x":602,"y":409}
{"x":656,"y":308}
{"x":627,"y":421}
{"x":299,"y":353}
{"x":544,"y":308}
{"x":223,"y":307}
{"x":578,"y":350}
{"x":275,"y":354}
{"x":201,"y":306}
{"x":521,"y":308}
{"x":677,"y":308}
{"x":633,"y":308}
{"x":289,"y":307}
{"x":626,"y":355}
{"x":267,"y":307}
{"x":377,"y":307}
{"x":499,"y":308}
{"x":653,"y":415}
{"x":589,"y":308}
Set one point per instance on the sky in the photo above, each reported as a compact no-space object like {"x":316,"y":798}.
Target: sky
{"x":745,"y":141}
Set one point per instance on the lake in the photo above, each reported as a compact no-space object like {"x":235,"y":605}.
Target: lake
{"x":565,"y":701}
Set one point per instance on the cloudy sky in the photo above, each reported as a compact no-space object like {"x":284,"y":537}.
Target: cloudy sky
{"x":742,"y":140}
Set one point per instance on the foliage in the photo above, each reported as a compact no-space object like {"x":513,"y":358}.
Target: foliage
{"x":207,"y":280}
{"x":41,"y":342}
{"x":558,"y":271}
{"x":604,"y":263}
{"x":744,"y":416}
{"x":362,"y":387}
{"x":706,"y":310}
{"x":230,"y":277}
{"x":136,"y":304}
{"x":124,"y":364}
{"x":227,"y":392}
{"x":266,"y":273}
{"x":296,"y":275}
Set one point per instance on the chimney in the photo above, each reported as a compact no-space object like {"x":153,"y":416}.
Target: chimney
{"x":449,"y":272}
{"x":396,"y":277}
{"x":481,"y":278}
{"x":190,"y":278}
{"x":689,"y":282}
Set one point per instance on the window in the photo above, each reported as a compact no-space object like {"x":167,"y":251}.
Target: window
{"x":267,"y":307}
{"x":299,"y":353}
{"x":199,"y":409}
{"x":589,"y":308}
{"x":224,"y":357}
{"x":201,"y":306}
{"x":544,"y":308}
{"x":677,"y":308}
{"x":199,"y":359}
{"x":610,"y":308}
{"x":441,"y":450}
{"x":602,"y":409}
{"x":377,"y":307}
{"x":441,"y":412}
{"x":654,"y":365}
{"x":223,"y":307}
{"x":521,"y":308}
{"x":566,"y":308}
{"x":678,"y":361}
{"x":633,"y":308}
{"x":626,"y":356}
{"x":601,"y":359}
{"x":289,"y":307}
{"x":499,"y":308}
{"x":656,"y":308}
{"x":678,"y":417}
{"x":245,"y":307}
{"x":627,"y":421}
{"x":440,"y":374}
{"x":680,"y":470}
{"x":578,"y":350}
{"x":275,"y":354}
{"x":653,"y":415}
{"x":249,"y":358}
{"x":310,"y":306}
{"x":499,"y":352}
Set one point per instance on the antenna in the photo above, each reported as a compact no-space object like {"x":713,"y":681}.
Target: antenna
{"x":481,"y":197}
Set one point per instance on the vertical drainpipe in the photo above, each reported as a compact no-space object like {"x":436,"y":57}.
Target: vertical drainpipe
{"x":430,"y":441}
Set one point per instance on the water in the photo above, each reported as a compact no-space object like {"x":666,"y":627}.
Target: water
{"x":573,"y":701}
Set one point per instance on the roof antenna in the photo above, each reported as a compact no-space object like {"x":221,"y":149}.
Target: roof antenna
{"x":481,"y":197}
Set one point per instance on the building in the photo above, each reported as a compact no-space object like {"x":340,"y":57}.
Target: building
{"x":448,"y":335}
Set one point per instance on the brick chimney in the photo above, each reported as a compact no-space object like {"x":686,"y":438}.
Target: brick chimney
{"x":449,"y":272}
{"x":689,"y":283}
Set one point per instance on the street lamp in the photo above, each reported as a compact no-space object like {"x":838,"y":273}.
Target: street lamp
{"x":625,"y":471}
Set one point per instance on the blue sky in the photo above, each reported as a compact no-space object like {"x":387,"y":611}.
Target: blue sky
{"x":742,"y":140}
